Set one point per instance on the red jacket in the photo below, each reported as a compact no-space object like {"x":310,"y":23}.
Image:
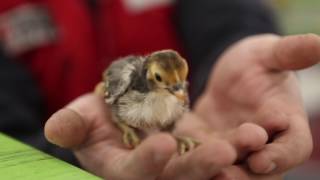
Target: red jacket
{"x":88,"y":40}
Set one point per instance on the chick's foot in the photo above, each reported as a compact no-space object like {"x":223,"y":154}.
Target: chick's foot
{"x":186,"y":144}
{"x":129,"y":135}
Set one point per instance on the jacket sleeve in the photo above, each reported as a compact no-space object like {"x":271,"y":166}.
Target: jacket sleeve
{"x":21,"y":108}
{"x":208,"y":27}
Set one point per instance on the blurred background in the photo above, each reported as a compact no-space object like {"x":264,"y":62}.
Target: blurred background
{"x":303,"y":16}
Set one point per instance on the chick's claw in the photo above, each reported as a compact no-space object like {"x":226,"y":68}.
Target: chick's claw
{"x":186,"y":144}
{"x":129,"y":135}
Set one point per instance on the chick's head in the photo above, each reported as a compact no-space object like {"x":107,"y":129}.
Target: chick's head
{"x":167,"y":70}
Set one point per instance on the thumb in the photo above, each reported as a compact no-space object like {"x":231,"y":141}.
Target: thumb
{"x":293,"y":52}
{"x":70,"y":126}
{"x":66,"y":128}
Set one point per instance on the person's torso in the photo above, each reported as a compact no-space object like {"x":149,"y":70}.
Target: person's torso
{"x":70,"y":42}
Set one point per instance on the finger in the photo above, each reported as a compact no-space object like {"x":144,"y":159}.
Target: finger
{"x":66,"y":128}
{"x":202,"y":163}
{"x":247,"y":138}
{"x":92,"y":108}
{"x":241,"y":172}
{"x":145,"y":162}
{"x":271,"y":118}
{"x":232,"y":172}
{"x":293,"y":52}
{"x":84,"y":117}
{"x":288,"y":150}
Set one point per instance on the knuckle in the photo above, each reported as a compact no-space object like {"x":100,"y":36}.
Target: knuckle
{"x":225,"y":154}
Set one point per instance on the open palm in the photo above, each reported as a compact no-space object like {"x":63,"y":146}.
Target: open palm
{"x":254,"y":82}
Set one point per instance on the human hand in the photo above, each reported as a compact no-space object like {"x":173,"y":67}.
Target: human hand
{"x":85,"y":127}
{"x":254,"y":82}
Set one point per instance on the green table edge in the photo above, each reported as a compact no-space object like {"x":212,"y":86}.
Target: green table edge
{"x":20,"y":161}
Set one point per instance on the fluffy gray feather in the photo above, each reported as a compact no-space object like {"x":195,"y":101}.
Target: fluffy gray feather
{"x":123,"y":74}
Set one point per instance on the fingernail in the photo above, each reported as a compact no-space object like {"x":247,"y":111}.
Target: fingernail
{"x":271,"y":167}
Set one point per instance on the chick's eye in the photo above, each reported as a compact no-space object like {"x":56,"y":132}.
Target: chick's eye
{"x":158,"y":77}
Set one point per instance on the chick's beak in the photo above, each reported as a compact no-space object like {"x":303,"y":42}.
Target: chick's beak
{"x":181,"y":95}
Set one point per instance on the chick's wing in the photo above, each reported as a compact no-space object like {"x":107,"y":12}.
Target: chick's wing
{"x":119,"y":76}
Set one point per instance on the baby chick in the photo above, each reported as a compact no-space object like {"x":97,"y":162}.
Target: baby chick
{"x":147,"y":93}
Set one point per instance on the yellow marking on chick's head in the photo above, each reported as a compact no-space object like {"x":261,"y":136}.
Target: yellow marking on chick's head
{"x":167,"y":68}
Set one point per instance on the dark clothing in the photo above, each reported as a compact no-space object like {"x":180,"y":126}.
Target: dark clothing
{"x":204,"y":28}
{"x":208,"y":27}
{"x":22,"y":108}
